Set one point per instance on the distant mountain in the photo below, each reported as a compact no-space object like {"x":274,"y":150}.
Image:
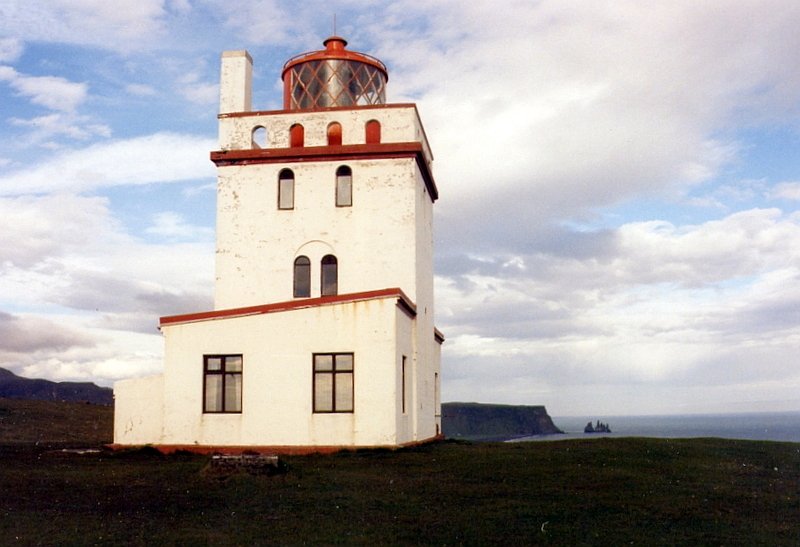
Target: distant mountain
{"x":476,"y":421}
{"x":17,"y":387}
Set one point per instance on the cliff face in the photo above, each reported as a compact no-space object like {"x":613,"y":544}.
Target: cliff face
{"x":475,"y":421}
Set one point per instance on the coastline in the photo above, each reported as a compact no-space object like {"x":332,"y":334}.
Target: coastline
{"x":756,"y":426}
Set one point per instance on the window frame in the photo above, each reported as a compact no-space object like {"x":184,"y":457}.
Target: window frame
{"x":301,"y":260}
{"x":344,"y":176}
{"x":328,"y":264}
{"x":259,"y":137}
{"x":372,"y":132}
{"x":297,"y":136}
{"x":404,"y":383}
{"x":281,"y":189}
{"x":224,"y":373}
{"x":334,"y":134}
{"x":337,"y":378}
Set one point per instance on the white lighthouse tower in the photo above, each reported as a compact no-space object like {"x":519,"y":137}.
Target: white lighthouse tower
{"x":322,"y":333}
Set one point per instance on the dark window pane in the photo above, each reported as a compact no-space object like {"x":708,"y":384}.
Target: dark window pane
{"x":330,"y":282}
{"x":302,"y":277}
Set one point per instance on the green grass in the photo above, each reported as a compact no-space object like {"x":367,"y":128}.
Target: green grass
{"x":575,"y":492}
{"x":24,"y":421}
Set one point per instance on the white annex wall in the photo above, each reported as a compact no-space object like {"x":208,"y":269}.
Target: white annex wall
{"x":277,"y":378}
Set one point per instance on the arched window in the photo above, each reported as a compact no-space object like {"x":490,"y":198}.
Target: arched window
{"x":302,"y":277}
{"x":373,"y":130}
{"x":330,"y":276}
{"x":286,"y":189}
{"x":259,"y":137}
{"x":334,"y":134}
{"x":296,"y":135}
{"x":344,"y":186}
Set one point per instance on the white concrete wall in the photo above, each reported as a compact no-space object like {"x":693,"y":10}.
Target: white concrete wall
{"x":399,"y":123}
{"x":277,"y":399}
{"x":374,"y":240}
{"x":235,"y":88}
{"x":139,"y":410}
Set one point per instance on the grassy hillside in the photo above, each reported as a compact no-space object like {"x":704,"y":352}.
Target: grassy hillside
{"x":23,"y":421}
{"x":574,"y":492}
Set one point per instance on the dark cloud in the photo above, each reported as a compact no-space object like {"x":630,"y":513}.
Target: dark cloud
{"x":33,"y":334}
{"x":126,"y":304}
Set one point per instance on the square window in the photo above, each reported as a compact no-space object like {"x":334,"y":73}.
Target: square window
{"x":333,"y":382}
{"x":222,"y":383}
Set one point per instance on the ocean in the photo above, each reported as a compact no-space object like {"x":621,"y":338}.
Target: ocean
{"x":762,"y":426}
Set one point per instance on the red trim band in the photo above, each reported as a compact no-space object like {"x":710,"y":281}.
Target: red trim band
{"x":317,"y":109}
{"x":392,"y":150}
{"x":403,"y":302}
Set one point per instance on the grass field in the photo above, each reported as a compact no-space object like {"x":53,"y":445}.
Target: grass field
{"x":577,"y":492}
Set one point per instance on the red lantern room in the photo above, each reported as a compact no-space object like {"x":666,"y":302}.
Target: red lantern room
{"x":334,"y":76}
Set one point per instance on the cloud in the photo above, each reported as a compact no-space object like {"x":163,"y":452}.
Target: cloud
{"x":10,"y":50}
{"x":260,"y":21}
{"x":36,"y":230}
{"x":566,"y":107}
{"x":34,"y":334}
{"x":86,"y":262}
{"x":45,"y":128}
{"x":713,"y":304}
{"x":124,"y":25}
{"x":786,"y":190}
{"x":111,"y":356}
{"x":561,"y":129}
{"x":173,"y":226}
{"x":82,"y":297}
{"x":157,"y":158}
{"x":52,"y":92}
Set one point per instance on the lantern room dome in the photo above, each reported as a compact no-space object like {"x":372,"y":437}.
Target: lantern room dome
{"x":334,"y":76}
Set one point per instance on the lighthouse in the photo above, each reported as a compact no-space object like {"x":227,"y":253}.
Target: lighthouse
{"x":322,"y":333}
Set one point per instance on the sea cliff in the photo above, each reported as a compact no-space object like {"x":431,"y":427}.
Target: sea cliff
{"x":490,"y":422}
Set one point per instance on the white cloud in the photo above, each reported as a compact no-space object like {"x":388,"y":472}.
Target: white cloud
{"x":45,"y":128}
{"x":713,"y":305}
{"x":10,"y":50}
{"x":81,"y":298}
{"x":162,"y":157}
{"x":786,"y":190}
{"x":204,"y":94}
{"x":174,"y":226}
{"x":52,"y":92}
{"x":568,"y":106}
{"x":123,"y":25}
{"x":259,"y":21}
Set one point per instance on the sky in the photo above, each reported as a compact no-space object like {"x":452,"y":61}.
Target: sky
{"x":618,"y":229}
